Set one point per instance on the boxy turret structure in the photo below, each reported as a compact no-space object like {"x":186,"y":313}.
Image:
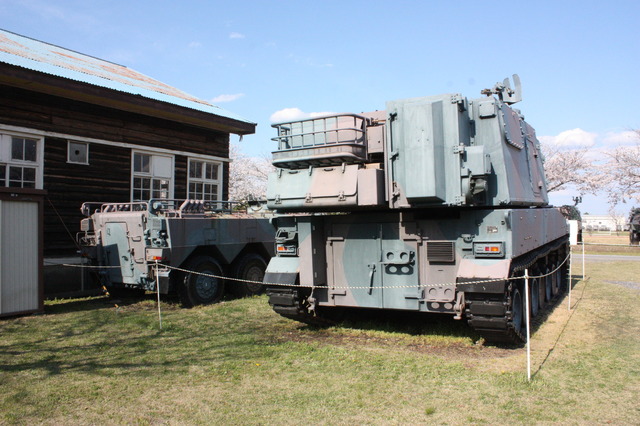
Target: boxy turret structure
{"x":442,"y":205}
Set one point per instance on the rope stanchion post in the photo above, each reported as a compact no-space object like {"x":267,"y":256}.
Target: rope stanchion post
{"x":583,"y":262}
{"x":158,"y":292}
{"x":527,"y":319}
{"x":570,"y":282}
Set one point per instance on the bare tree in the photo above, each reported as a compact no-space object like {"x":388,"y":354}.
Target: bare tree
{"x":617,"y":218}
{"x":247,"y":176}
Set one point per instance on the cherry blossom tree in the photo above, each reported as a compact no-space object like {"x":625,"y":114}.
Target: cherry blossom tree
{"x":623,"y":172}
{"x":566,"y":167}
{"x":247,"y":176}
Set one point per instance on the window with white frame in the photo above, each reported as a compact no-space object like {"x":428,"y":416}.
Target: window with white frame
{"x":204,"y":180}
{"x":152,"y":176}
{"x":20,"y":161}
{"x":77,"y":152}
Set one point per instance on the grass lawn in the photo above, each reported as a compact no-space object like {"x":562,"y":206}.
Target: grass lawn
{"x":90,"y":361}
{"x":608,"y":243}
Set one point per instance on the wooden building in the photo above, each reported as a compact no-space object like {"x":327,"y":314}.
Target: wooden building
{"x":85,"y":129}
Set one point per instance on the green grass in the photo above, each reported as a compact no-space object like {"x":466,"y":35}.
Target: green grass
{"x":608,"y":244}
{"x":87,"y":361}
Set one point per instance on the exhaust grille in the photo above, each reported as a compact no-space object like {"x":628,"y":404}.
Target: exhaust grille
{"x":441,"y":251}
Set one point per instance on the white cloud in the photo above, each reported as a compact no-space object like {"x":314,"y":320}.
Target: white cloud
{"x":621,"y":138}
{"x":194,"y":44}
{"x":571,"y":138}
{"x":293,"y":114}
{"x":226,"y":98}
{"x":236,"y":35}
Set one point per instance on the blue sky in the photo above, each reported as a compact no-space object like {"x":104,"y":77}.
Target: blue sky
{"x":578,"y":60}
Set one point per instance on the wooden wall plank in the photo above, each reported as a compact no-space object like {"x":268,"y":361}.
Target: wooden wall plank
{"x":107,"y":177}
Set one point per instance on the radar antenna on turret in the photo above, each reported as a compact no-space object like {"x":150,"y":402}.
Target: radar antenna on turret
{"x":505,"y":92}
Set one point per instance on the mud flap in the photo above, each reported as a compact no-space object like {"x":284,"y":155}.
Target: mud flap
{"x":282,"y":270}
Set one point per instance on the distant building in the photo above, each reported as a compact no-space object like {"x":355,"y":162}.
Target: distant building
{"x":603,"y":223}
{"x":85,"y":129}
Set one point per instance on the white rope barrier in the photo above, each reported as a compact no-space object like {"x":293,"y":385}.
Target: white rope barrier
{"x":526,"y":278}
{"x":528,"y":321}
{"x":355,"y":287}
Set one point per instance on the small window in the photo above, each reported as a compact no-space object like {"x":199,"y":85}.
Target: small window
{"x":152,"y":176}
{"x":141,"y":162}
{"x":22,"y":177}
{"x":23,"y":149}
{"x":20,"y":162}
{"x":204,"y":180}
{"x":77,"y":152}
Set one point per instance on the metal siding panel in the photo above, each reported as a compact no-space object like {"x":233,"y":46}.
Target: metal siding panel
{"x":19,"y":256}
{"x":43,"y":57}
{"x":422,"y":143}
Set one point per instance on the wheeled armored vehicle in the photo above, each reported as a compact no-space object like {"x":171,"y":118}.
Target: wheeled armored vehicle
{"x":182,"y":246}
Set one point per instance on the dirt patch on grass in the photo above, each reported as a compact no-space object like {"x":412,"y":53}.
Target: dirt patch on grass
{"x":451,"y":350}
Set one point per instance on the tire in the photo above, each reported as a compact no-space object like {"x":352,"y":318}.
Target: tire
{"x":548,"y":288}
{"x":197,"y":289}
{"x":517,"y":312}
{"x":534,"y":291}
{"x":250,"y":267}
{"x":557,"y":282}
{"x":542,"y":292}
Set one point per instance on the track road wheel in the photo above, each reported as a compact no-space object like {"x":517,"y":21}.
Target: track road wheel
{"x":534,"y":292}
{"x":251,"y":267}
{"x":517,"y":311}
{"x":548,"y":287}
{"x":556,"y":280}
{"x":197,"y":287}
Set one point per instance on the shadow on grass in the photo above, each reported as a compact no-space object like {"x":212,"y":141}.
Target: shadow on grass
{"x":409,"y":323}
{"x":413,"y":323}
{"x":126,"y":344}
{"x":62,"y":306}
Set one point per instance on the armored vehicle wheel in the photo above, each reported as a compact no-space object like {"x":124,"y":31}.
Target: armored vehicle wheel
{"x":556,"y":281}
{"x":251,"y":267}
{"x":198,"y":287}
{"x":517,"y":310}
{"x":548,"y":288}
{"x":542,"y":293}
{"x":564,"y":280}
{"x":534,"y":291}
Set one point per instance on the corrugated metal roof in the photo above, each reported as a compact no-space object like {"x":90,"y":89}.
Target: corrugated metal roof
{"x":54,"y":60}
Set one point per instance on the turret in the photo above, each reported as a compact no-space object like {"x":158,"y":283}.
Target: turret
{"x":437,"y":151}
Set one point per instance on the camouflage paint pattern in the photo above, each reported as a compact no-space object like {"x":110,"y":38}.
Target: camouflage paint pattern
{"x":433,"y":193}
{"x":398,"y":261}
{"x":133,"y":235}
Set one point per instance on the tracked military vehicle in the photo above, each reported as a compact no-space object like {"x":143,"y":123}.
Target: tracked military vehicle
{"x":436,"y":205}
